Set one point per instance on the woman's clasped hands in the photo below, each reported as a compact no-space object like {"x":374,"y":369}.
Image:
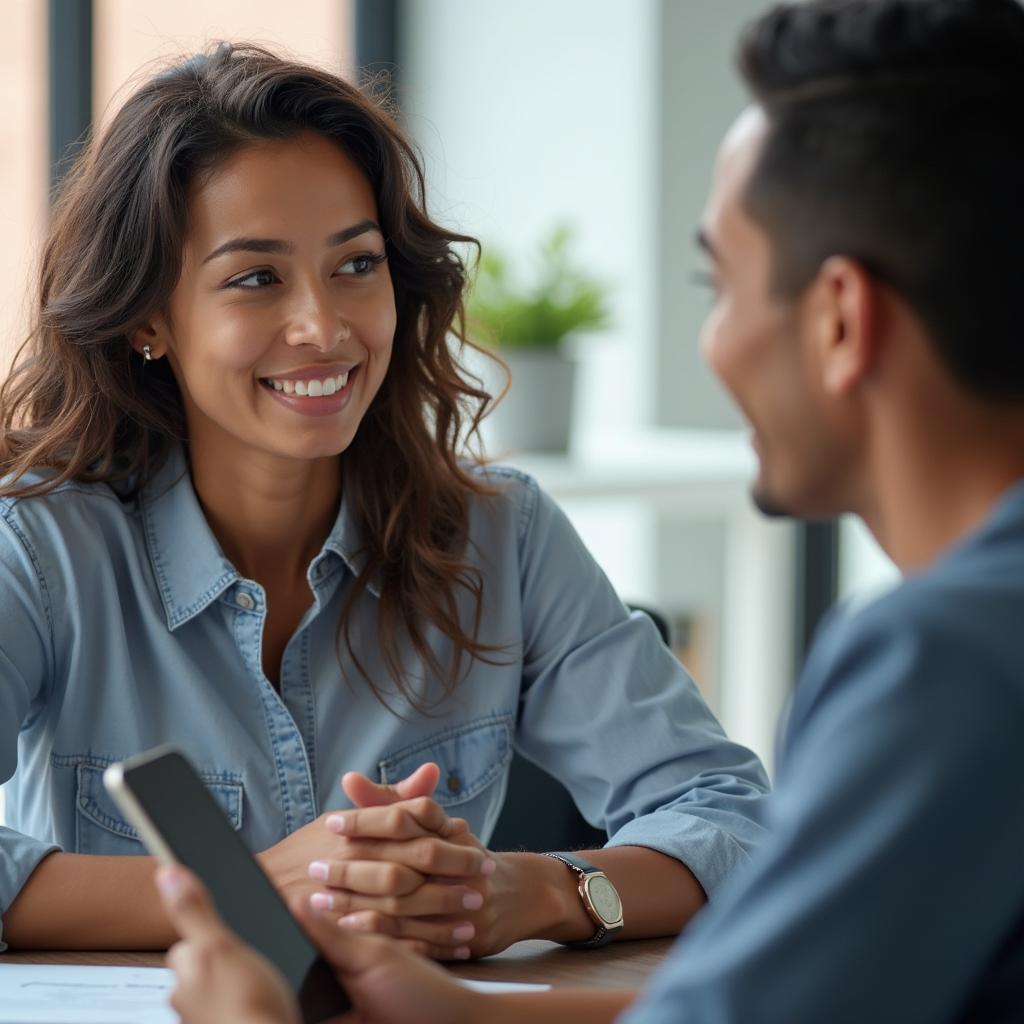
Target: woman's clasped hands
{"x":398,"y":865}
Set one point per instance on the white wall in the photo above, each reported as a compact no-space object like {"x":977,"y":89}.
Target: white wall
{"x":865,"y":571}
{"x":534,"y":113}
{"x":700,"y":95}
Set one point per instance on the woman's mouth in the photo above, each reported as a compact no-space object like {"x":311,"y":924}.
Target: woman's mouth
{"x":313,"y":393}
{"x":312,"y":387}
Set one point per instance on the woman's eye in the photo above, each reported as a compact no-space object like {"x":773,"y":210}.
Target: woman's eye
{"x":254,"y":279}
{"x":358,"y":266}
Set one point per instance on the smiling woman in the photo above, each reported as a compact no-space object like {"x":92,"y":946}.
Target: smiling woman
{"x":280,"y":340}
{"x":236,"y":515}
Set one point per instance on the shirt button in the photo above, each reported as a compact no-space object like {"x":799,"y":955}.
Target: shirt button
{"x":454,"y":783}
{"x":246,"y":600}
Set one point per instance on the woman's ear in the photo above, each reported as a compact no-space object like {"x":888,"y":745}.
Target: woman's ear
{"x":149,"y":339}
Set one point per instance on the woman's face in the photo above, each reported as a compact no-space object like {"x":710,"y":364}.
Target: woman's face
{"x":280,"y":329}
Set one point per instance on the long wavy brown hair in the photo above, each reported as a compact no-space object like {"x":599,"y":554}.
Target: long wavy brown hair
{"x":78,"y":405}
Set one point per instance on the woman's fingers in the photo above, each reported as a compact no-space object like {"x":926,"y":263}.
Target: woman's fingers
{"x":431,"y":898}
{"x":443,"y":953}
{"x":372,"y":878}
{"x":406,"y":820}
{"x":439,"y":939}
{"x":364,"y":792}
{"x":426,"y":855}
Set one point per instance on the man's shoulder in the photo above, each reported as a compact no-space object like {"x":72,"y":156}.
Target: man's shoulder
{"x":946,"y":639}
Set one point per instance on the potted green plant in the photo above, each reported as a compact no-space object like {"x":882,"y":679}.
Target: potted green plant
{"x":528,"y":324}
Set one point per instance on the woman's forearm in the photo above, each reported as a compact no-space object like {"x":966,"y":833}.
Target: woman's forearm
{"x":659,"y":894}
{"x":79,"y":901}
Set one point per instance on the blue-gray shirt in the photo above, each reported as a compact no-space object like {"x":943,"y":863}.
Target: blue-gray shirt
{"x":123,"y":626}
{"x":892,"y":887}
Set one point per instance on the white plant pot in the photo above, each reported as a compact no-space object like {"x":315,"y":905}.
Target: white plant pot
{"x":536,"y":413}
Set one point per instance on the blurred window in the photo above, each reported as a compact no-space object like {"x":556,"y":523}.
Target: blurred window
{"x":23,"y":170}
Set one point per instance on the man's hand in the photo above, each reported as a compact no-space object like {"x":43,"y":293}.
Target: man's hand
{"x":387,"y":982}
{"x":220,"y":979}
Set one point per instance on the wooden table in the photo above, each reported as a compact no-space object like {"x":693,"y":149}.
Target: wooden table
{"x":620,"y":965}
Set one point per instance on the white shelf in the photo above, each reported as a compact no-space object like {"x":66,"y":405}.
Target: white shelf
{"x":655,"y":463}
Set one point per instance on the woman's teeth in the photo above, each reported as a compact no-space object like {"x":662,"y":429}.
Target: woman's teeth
{"x":310,"y":388}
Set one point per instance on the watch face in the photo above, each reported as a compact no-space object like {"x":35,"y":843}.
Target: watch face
{"x":605,"y":899}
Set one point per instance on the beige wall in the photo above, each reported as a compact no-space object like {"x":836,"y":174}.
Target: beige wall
{"x":23,"y":164}
{"x":131,"y":36}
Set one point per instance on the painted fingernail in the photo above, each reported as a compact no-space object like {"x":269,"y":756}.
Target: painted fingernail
{"x":472,"y":901}
{"x":351,"y":921}
{"x":336,"y":823}
{"x":462,"y":953}
{"x":319,"y":870}
{"x":488,"y":867}
{"x":463,"y":933}
{"x":321,"y":901}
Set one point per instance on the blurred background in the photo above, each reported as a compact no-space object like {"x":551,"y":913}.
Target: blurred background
{"x":574,"y":138}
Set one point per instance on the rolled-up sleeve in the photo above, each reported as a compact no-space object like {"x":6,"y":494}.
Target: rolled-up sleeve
{"x":608,"y":711}
{"x":25,"y":663}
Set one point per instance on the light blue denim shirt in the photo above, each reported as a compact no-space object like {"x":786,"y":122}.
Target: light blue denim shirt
{"x":123,"y":626}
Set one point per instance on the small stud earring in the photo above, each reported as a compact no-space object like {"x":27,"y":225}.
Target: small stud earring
{"x":147,"y":353}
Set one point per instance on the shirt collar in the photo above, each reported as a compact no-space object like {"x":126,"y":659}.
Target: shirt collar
{"x":346,"y":541}
{"x":190,"y":568}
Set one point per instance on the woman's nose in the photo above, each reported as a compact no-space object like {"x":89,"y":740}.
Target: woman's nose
{"x":318,"y":322}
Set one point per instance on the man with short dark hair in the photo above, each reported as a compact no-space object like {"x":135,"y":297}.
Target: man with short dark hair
{"x":864,"y":229}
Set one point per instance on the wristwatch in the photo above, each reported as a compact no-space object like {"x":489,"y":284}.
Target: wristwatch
{"x":600,"y":900}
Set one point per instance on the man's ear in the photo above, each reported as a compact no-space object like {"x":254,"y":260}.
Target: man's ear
{"x":844,"y":324}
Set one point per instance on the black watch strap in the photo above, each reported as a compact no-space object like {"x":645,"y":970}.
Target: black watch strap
{"x":584,"y":867}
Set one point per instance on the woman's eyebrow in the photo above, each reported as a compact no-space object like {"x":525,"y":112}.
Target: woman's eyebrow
{"x":271,"y":245}
{"x":276,"y":245}
{"x":340,"y":237}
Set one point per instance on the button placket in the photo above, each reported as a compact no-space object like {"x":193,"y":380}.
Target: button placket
{"x":287,"y":744}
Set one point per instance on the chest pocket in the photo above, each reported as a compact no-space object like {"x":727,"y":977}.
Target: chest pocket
{"x":100,"y":827}
{"x":474,"y":760}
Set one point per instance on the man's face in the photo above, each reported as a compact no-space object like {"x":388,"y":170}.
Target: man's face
{"x":760,"y":345}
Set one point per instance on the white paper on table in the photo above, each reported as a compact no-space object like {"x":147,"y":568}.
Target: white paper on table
{"x":63,"y":994}
{"x":494,"y":987}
